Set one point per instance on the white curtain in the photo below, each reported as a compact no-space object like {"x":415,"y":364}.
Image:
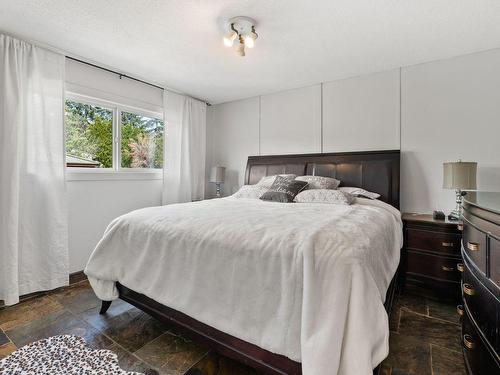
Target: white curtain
{"x":185,"y":137}
{"x":33,"y":214}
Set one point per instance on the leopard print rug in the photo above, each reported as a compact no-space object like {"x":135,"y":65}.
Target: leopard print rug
{"x":61,"y":355}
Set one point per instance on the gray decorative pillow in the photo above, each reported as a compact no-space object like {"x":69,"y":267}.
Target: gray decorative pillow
{"x":250,"y":192}
{"x":324,"y":196}
{"x":358,"y":192}
{"x":269,"y":180}
{"x":319,"y":182}
{"x":283,"y":190}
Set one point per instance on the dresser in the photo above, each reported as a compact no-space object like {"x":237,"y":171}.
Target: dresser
{"x":431,"y":254}
{"x":480,"y":308}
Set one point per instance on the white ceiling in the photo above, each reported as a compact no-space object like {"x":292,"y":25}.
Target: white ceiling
{"x":178,"y":43}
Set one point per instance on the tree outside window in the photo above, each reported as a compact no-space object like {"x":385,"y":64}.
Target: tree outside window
{"x":89,"y":137}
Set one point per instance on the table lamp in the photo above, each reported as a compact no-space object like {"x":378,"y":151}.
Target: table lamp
{"x":217,"y":177}
{"x":459,"y":175}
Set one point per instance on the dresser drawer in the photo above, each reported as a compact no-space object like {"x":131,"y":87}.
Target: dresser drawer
{"x":495,"y":261}
{"x":447,"y":243}
{"x":474,"y":243}
{"x":483,"y":306}
{"x":435,"y":266}
{"x":477,"y":356}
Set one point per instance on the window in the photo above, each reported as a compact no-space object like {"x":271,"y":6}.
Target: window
{"x":91,"y":128}
{"x":89,"y":135}
{"x":141,"y":141}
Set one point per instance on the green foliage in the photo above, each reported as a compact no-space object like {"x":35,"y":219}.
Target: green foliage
{"x":88,"y":112}
{"x":100,"y":132}
{"x":129,"y":133}
{"x":136,"y":130}
{"x":89,"y":135}
{"x":77,"y":139}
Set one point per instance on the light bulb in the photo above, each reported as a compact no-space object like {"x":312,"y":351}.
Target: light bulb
{"x":249,"y":41}
{"x":229,"y":38}
{"x":250,"y":38}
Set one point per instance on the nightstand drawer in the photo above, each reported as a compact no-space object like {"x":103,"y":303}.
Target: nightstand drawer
{"x":474,"y":242}
{"x":446,"y":243}
{"x":435,"y":266}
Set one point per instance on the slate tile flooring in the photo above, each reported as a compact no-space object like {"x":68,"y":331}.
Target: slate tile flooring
{"x":425,"y":335}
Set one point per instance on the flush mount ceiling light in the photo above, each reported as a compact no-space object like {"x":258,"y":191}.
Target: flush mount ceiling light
{"x":241,"y":29}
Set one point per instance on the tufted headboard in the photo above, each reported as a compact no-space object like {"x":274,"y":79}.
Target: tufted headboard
{"x":376,"y":171}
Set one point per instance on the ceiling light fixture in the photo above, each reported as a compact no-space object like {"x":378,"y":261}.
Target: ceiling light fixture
{"x":243,"y":29}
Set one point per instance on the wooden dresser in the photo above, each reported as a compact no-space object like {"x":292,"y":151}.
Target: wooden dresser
{"x":480,"y":307}
{"x":431,"y":254}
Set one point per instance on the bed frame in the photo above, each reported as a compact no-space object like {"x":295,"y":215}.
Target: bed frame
{"x":376,"y":171}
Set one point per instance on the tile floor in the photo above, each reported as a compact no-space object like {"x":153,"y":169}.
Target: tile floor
{"x":425,"y":335}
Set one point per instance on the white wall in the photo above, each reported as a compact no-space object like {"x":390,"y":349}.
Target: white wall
{"x":434,"y":112}
{"x":290,"y":116}
{"x":92,"y":206}
{"x":450,"y":110}
{"x":232,"y":135}
{"x":96,"y":199}
{"x":347,"y":115}
{"x":362,"y":113}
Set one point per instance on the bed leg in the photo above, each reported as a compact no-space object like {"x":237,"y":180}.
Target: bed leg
{"x":104,"y":307}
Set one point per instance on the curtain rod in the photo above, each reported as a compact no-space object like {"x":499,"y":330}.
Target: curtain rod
{"x":121,"y":75}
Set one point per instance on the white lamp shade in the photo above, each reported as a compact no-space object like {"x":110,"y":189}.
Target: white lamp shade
{"x":217,"y":174}
{"x":460,"y":175}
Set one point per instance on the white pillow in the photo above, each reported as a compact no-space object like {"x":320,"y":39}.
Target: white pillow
{"x":358,"y":192}
{"x":269,"y":180}
{"x":319,"y":182}
{"x":250,"y":191}
{"x":324,"y":196}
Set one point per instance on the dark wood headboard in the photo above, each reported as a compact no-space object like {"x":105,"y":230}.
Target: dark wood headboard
{"x":376,"y":171}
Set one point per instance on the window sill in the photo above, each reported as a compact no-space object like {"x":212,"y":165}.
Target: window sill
{"x":94,"y":174}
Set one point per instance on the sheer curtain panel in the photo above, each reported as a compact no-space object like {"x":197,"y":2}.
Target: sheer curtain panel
{"x":185,"y":137}
{"x":33,"y":213}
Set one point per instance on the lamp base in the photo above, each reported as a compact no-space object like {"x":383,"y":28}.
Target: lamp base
{"x":457,"y":212}
{"x":217,"y":190}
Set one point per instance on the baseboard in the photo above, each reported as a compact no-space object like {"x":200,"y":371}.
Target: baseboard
{"x":76,"y":277}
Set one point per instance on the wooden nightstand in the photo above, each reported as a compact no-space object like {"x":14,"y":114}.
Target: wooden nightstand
{"x":431,"y":254}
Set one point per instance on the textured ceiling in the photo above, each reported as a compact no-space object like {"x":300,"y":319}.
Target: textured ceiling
{"x":178,"y":43}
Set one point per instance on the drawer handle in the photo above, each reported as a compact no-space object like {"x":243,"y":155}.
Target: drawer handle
{"x":469,"y":289}
{"x":460,"y":226}
{"x":460,"y":310}
{"x":447,"y":244}
{"x":473,"y":246}
{"x":460,"y":267}
{"x":447,"y":269}
{"x":469,"y":342}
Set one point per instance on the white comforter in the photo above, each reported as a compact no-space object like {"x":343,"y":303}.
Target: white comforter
{"x":304,"y":280}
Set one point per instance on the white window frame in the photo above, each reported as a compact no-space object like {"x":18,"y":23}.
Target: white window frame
{"x":117,"y":172}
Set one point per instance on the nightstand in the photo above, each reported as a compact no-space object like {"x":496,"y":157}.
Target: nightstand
{"x":431,"y":254}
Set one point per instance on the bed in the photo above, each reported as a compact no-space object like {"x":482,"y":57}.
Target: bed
{"x":258,"y":281}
